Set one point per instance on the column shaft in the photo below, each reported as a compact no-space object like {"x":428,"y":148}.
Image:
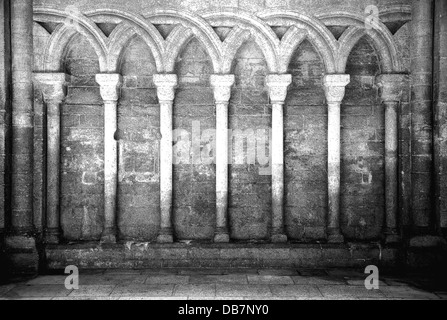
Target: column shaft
{"x":391,"y":170}
{"x":166,"y":171}
{"x":110,"y":170}
{"x":334,"y":86}
{"x":221,"y":173}
{"x":277,"y":170}
{"x":52,"y":86}
{"x":222,"y":93}
{"x":22,"y":115}
{"x":421,"y":105}
{"x":334,"y":172}
{"x":440,"y":105}
{"x":391,"y":88}
{"x":166,"y":84}
{"x":278,"y":85}
{"x":53,"y":172}
{"x":110,"y":85}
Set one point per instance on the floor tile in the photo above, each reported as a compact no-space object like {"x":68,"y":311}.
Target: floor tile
{"x":269,"y":279}
{"x":43,"y":290}
{"x":92,"y":290}
{"x":325,"y":280}
{"x":167,"y":279}
{"x":195,"y":290}
{"x":237,"y":290}
{"x":341,"y":291}
{"x":278,"y":272}
{"x":60,"y":280}
{"x":407,"y":293}
{"x":143,"y":290}
{"x":295,"y":291}
{"x":228,"y":278}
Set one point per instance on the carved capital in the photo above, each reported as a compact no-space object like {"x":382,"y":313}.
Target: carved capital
{"x":391,"y":86}
{"x":277,"y":85}
{"x":52,"y":85}
{"x":166,"y":84}
{"x":110,"y":84}
{"x":221,"y":84}
{"x":335,"y":87}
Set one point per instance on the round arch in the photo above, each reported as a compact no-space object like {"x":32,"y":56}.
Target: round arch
{"x":306,"y":27}
{"x":130,"y":25}
{"x":261,"y":32}
{"x":63,"y":34}
{"x":198,"y":27}
{"x":380,"y":36}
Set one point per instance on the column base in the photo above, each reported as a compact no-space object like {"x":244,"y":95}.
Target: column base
{"x":52,"y":236}
{"x":335,"y":238}
{"x":278,"y":238}
{"x":165,"y":238}
{"x":109,"y":236}
{"x":222,"y":237}
{"x":21,"y":256}
{"x":427,"y":241}
{"x":391,"y":236}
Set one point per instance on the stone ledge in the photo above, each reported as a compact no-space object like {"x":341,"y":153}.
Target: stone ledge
{"x":176,"y":255}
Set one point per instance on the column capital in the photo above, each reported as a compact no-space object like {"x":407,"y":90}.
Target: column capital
{"x":166,"y":84}
{"x":391,"y":86}
{"x":222,"y":84}
{"x":109,"y":85}
{"x":278,"y":84}
{"x":335,"y":87}
{"x":53,"y":85}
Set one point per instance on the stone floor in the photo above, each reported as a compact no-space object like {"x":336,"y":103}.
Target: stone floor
{"x":245,"y":284}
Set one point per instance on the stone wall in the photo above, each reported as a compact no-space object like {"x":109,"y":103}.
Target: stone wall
{"x":194,"y":196}
{"x":191,"y":40}
{"x":194,"y":201}
{"x":306,"y":147}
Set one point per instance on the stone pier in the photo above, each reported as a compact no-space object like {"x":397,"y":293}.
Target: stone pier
{"x":21,"y":244}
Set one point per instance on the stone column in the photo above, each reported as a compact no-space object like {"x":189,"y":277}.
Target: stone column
{"x":422,"y":113}
{"x":222,"y":93}
{"x":391,"y":86}
{"x":21,"y":244}
{"x":5,"y":110}
{"x":166,"y":84}
{"x":334,"y":87}
{"x":109,"y":87}
{"x":440,"y":107}
{"x":22,"y":115}
{"x":52,"y":86}
{"x":277,"y":85}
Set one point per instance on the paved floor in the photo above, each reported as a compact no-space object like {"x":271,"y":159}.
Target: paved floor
{"x":243,"y":284}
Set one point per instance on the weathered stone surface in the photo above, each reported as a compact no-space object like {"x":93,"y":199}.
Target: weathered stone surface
{"x":192,"y":54}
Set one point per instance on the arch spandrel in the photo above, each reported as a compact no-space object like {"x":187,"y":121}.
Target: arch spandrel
{"x":59,"y":38}
{"x":357,"y":28}
{"x":259,"y":30}
{"x":317,"y":33}
{"x":199,"y":27}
